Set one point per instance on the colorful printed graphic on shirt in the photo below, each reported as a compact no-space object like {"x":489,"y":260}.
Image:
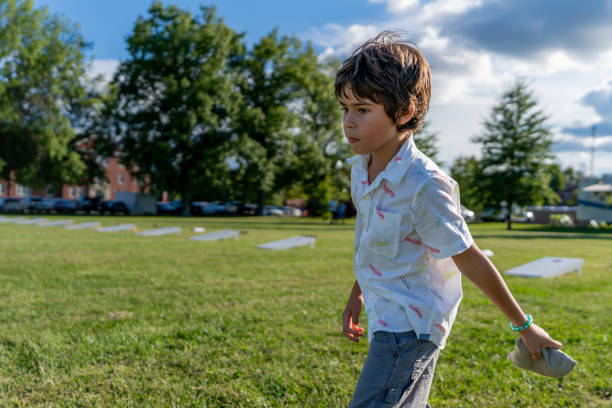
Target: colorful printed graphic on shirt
{"x":423,"y":191}
{"x":376,"y":271}
{"x":382,"y":322}
{"x":416,"y":310}
{"x":440,"y":327}
{"x":413,"y":241}
{"x":435,"y":292}
{"x":449,"y":275}
{"x":380,"y":214}
{"x":387,"y":190}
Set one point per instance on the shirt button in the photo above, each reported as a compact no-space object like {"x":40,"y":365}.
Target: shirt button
{"x":395,"y":354}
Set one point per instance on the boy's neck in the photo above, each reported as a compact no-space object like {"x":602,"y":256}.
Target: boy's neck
{"x":380,"y":158}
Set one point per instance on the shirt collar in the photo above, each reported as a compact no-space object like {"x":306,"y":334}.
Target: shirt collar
{"x":396,"y":168}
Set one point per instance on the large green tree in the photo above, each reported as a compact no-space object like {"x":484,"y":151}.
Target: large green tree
{"x":515,"y":151}
{"x":171,"y":101}
{"x":289,"y":123}
{"x":43,"y":92}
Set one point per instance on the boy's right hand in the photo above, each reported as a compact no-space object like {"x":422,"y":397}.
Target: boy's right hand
{"x":350,"y":318}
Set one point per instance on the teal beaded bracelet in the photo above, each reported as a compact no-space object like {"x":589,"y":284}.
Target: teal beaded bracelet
{"x":523,"y":326}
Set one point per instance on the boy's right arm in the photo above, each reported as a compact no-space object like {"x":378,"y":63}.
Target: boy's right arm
{"x":350,"y":317}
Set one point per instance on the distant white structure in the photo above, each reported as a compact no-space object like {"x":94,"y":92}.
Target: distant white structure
{"x":595,"y":199}
{"x":293,"y":242}
{"x":30,"y":221}
{"x":55,"y":223}
{"x":116,"y":228}
{"x":83,"y":225}
{"x":216,"y":236}
{"x":547,"y":267}
{"x":160,"y":231}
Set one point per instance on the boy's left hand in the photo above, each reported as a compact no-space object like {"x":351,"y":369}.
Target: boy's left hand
{"x":536,"y":338}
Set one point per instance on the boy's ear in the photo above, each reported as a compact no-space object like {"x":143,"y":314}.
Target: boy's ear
{"x":406,"y":116}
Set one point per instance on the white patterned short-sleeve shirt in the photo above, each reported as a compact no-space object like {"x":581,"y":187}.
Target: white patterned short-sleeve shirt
{"x":408,"y":226}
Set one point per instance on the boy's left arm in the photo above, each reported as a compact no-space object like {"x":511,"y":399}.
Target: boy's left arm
{"x":475,"y":266}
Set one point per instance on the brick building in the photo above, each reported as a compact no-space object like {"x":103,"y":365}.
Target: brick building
{"x":118,"y":179}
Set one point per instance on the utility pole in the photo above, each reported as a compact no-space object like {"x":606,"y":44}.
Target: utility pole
{"x":593,"y":130}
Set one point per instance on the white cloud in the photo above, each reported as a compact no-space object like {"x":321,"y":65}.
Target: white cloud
{"x":104,"y":67}
{"x":467,"y":77}
{"x":398,"y":6}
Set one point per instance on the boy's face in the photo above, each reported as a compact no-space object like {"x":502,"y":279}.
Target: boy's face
{"x":366,"y":125}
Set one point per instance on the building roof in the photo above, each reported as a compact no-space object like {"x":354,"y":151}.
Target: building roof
{"x":598,"y":188}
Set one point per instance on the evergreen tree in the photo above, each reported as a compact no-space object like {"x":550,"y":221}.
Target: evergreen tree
{"x":515,"y":151}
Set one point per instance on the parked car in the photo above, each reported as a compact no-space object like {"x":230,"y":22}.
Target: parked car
{"x":112,"y":207}
{"x":170,"y":207}
{"x":40,"y":204}
{"x":291,"y":211}
{"x":273,"y":210}
{"x":206,"y":208}
{"x":467,"y":214}
{"x":518,"y":214}
{"x":64,"y":206}
{"x":87,"y":204}
{"x":14,"y":205}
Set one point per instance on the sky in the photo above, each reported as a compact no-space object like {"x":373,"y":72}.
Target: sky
{"x":476,"y":50}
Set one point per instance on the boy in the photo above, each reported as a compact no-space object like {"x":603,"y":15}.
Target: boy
{"x":411,"y":243}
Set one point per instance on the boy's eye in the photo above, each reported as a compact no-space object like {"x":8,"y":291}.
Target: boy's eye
{"x":344,"y":109}
{"x":362,"y":110}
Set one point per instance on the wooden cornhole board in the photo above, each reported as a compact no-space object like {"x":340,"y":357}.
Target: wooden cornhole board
{"x":115,"y":228}
{"x":547,"y":267}
{"x":55,"y":223}
{"x":216,"y":236}
{"x":293,"y":242}
{"x":13,"y":219}
{"x":160,"y":231}
{"x":31,"y":221}
{"x":83,"y":225}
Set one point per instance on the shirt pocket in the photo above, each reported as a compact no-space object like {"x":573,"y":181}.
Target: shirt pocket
{"x":383,"y":235}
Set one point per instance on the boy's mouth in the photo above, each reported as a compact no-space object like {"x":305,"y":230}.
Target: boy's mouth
{"x":352,"y":140}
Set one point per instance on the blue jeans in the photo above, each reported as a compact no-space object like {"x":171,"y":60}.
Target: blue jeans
{"x":398,"y":372}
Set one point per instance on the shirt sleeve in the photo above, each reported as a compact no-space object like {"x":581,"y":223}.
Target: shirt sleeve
{"x":437,"y":218}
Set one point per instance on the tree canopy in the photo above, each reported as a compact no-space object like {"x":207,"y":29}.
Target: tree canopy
{"x":43,"y":91}
{"x":208,"y":118}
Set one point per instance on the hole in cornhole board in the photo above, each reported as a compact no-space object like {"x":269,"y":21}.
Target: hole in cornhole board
{"x":547,"y":267}
{"x":289,"y":243}
{"x":55,"y":223}
{"x":83,"y":225}
{"x":116,"y":228}
{"x":160,"y":231}
{"x":216,"y":236}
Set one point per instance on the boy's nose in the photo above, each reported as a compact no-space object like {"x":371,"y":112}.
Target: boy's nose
{"x":348,"y":123}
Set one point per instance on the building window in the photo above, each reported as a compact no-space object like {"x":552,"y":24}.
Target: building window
{"x":2,"y":188}
{"x":80,"y":192}
{"x":121,"y":178}
{"x":106,"y":162}
{"x":71,"y":192}
{"x":22,"y":190}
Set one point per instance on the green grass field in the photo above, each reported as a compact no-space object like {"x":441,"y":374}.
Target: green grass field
{"x":117,"y":320}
